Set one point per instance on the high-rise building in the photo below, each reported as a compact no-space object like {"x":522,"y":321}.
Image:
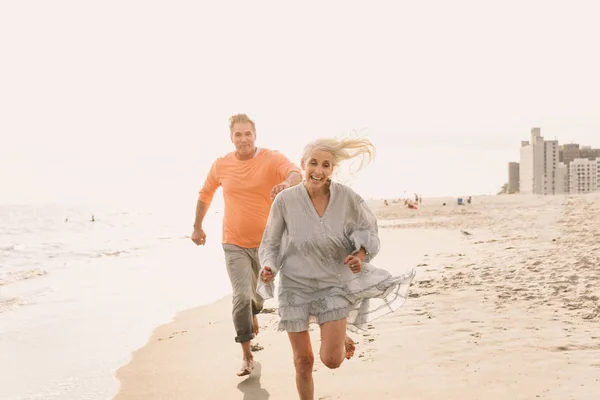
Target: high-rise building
{"x":589,"y":153}
{"x":550,"y":164}
{"x":513,"y":177}
{"x":526,"y":169}
{"x":538,"y":165}
{"x":598,"y":174}
{"x":562,"y":178}
{"x":583,"y":175}
{"x":572,"y":151}
{"x":569,"y":152}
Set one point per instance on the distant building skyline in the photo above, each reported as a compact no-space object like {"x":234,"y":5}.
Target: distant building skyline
{"x":546,"y":168}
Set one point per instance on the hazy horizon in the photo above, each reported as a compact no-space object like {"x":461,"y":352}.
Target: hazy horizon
{"x":131,"y":99}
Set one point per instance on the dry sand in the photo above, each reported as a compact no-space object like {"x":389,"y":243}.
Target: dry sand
{"x":506,"y":309}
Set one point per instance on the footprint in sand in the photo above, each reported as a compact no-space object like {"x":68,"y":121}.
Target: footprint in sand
{"x":172,"y":335}
{"x":368,"y":338}
{"x":425,"y":283}
{"x":256,"y":347}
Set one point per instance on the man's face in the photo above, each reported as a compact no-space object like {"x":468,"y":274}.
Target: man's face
{"x":243,"y":137}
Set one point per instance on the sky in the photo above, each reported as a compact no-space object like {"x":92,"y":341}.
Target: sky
{"x":130,"y":100}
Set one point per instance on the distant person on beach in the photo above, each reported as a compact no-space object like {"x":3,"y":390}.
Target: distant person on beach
{"x":320,"y":238}
{"x":251,"y":177}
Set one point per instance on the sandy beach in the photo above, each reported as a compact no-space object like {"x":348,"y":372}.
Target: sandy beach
{"x":505,"y":305}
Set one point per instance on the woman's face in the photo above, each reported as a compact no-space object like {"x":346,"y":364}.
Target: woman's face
{"x":318,"y":167}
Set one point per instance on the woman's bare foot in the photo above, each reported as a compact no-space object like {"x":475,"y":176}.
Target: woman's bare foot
{"x":350,"y":347}
{"x":254,"y":325}
{"x":246,"y":368}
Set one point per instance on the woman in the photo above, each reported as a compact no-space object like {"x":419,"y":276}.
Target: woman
{"x":321,"y":236}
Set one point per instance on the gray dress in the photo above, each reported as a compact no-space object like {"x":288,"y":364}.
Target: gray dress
{"x":308,"y":251}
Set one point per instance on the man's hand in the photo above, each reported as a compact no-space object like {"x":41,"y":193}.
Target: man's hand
{"x":199,"y":237}
{"x":278,"y":188}
{"x":267,"y":275}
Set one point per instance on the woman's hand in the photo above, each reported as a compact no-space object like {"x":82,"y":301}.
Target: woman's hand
{"x":267,"y":275}
{"x":355,"y":261}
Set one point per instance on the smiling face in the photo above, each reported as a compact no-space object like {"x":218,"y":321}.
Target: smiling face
{"x":243,"y":137}
{"x":317,"y":167}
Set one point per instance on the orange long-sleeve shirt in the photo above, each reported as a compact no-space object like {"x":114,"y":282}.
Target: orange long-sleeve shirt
{"x":246,"y":192}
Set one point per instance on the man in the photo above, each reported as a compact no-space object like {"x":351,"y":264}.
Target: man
{"x":251,"y":177}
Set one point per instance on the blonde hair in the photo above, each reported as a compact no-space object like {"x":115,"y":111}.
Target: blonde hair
{"x":240,"y":119}
{"x":343,"y":149}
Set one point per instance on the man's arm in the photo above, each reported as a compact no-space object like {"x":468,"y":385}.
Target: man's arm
{"x":293,"y":178}
{"x":201,"y":209}
{"x":204,"y":199}
{"x":285,"y":167}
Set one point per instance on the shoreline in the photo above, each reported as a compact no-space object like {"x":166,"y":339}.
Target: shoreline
{"x":82,"y":321}
{"x":483,"y":319}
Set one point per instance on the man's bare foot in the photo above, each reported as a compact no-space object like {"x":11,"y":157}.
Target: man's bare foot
{"x":350,"y":347}
{"x":255,"y":325}
{"x":246,"y":368}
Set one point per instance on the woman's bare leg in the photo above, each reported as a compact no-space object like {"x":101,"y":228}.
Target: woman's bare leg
{"x":335,"y":344}
{"x":304,"y":360}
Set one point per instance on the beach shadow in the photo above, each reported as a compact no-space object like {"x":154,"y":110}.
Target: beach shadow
{"x":251,"y":386}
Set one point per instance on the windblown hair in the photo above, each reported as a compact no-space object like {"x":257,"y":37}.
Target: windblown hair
{"x":240,"y":118}
{"x":343,"y":149}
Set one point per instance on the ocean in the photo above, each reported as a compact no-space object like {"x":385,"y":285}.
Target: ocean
{"x":78,"y":297}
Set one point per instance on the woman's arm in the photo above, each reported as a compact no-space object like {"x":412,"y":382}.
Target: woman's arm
{"x":269,"y":250}
{"x":270,"y":246}
{"x":364,"y":233}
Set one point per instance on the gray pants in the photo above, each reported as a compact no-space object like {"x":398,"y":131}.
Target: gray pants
{"x":243,"y":267}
